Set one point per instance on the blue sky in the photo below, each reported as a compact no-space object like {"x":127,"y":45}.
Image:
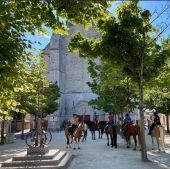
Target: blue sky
{"x":151,"y":5}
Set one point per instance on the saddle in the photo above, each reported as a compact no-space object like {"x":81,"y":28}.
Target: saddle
{"x":109,"y":126}
{"x":126,"y":126}
{"x":71,"y":129}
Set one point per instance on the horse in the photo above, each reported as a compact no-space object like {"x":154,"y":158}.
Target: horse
{"x":68,"y":134}
{"x":77,"y":134}
{"x":111,"y":130}
{"x":84,"y":132}
{"x":93,"y":126}
{"x":132,"y":130}
{"x":158,"y":132}
{"x":101,"y":128}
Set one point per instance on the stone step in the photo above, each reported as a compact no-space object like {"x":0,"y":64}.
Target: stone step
{"x":65,"y":161}
{"x":54,"y":161}
{"x":24,"y":157}
{"x":62,"y":165}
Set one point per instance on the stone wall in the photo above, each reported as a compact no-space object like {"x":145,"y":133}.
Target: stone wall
{"x":70,"y":71}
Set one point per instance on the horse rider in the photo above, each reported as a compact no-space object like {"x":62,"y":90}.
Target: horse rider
{"x":110,"y":119}
{"x":95,"y":118}
{"x":127,"y":120}
{"x":155,"y":122}
{"x":74,"y":122}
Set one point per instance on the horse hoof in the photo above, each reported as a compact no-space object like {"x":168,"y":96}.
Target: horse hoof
{"x":140,"y":149}
{"x":128,"y":147}
{"x":74,"y":148}
{"x":115,"y":146}
{"x":78,"y":147}
{"x":134,"y":149}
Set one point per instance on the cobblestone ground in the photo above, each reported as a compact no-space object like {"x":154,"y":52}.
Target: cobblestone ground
{"x":95,"y":154}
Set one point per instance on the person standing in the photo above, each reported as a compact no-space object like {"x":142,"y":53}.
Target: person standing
{"x":74,"y":122}
{"x":155,"y":122}
{"x":110,"y":118}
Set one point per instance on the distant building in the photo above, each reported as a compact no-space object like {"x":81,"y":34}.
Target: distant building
{"x":70,"y":71}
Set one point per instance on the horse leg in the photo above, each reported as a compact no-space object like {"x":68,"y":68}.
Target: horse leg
{"x":78,"y":143}
{"x":158,"y":144}
{"x":139,"y":141}
{"x":111,"y":137}
{"x":94,"y":135}
{"x":127,"y":140}
{"x":152,"y":143}
{"x":99,"y":133}
{"x":75,"y":141}
{"x":67,"y":137}
{"x":107,"y":139}
{"x":83,"y":136}
{"x":71,"y":139}
{"x":135,"y":140}
{"x":115,"y":139}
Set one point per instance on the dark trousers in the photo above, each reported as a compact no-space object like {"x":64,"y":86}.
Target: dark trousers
{"x":74,"y":128}
{"x":110,"y":123}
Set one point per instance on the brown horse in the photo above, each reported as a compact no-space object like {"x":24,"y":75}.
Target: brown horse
{"x":68,"y":134}
{"x":158,"y":132}
{"x":112,"y":131}
{"x":132,"y":130}
{"x":77,"y":134}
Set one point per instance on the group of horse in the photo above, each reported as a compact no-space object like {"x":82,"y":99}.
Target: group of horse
{"x":111,"y":132}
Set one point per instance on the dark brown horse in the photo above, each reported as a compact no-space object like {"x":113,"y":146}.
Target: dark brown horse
{"x":111,"y":130}
{"x":96,"y":127}
{"x":132,"y":130}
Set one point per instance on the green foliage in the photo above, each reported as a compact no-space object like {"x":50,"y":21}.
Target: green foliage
{"x":115,"y":92}
{"x":157,"y":95}
{"x":124,"y":39}
{"x":51,"y":96}
{"x":21,"y":17}
{"x":18,"y":17}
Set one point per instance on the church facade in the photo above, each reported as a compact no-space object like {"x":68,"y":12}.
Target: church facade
{"x":70,"y":72}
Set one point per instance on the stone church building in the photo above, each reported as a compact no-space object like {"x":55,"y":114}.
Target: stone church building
{"x":70,"y":72}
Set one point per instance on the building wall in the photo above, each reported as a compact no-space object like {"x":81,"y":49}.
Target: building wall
{"x":70,"y":71}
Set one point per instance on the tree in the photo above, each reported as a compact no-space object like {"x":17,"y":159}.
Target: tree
{"x":21,"y":17}
{"x":127,"y":40}
{"x":50,"y":102}
{"x":114,"y":91}
{"x":18,"y":17}
{"x":157,"y":93}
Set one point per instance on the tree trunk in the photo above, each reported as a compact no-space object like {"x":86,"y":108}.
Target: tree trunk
{"x":167,"y":122}
{"x":2,"y":130}
{"x":22,"y":131}
{"x":141,"y":111}
{"x":121,"y":114}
